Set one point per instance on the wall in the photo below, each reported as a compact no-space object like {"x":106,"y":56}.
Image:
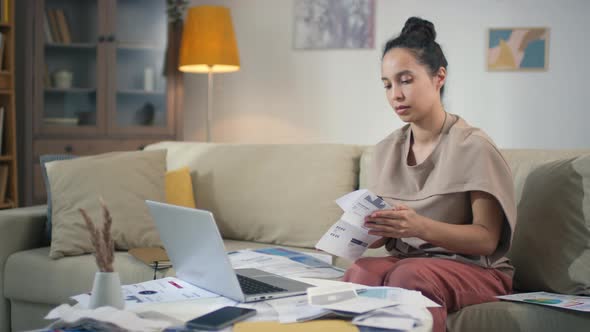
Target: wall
{"x":282,"y":95}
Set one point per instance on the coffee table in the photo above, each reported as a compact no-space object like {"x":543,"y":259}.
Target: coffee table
{"x":186,"y":310}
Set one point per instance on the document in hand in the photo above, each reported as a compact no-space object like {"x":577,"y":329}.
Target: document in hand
{"x":348,"y":237}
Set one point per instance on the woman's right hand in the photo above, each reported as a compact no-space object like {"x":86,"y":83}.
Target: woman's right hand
{"x":379,"y":243}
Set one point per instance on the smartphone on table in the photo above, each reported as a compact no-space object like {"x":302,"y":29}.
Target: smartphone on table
{"x":220,"y":318}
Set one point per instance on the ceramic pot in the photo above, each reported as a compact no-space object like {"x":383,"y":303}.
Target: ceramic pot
{"x":63,"y":79}
{"x":106,"y":291}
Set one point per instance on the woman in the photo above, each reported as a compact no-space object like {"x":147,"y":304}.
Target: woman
{"x":452,"y":192}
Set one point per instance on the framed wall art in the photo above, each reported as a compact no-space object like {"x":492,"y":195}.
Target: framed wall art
{"x":334,"y":24}
{"x":518,"y":49}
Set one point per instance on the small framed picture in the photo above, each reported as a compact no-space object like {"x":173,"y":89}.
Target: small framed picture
{"x":518,"y":49}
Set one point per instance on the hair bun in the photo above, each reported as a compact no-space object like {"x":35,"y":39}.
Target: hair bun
{"x":418,"y":26}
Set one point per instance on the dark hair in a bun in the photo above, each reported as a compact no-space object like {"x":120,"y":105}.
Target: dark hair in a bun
{"x":418,"y":36}
{"x":419,"y":28}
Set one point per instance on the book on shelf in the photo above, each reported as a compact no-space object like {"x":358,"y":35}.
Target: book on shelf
{"x":4,"y":11}
{"x":1,"y":127}
{"x":63,"y":25}
{"x":3,"y":182}
{"x":53,"y":26}
{"x":2,"y":47}
{"x":63,"y":121}
{"x":154,"y":257}
{"x":47,"y":28}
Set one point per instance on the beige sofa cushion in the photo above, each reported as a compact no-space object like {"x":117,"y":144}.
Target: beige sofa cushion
{"x":281,"y":194}
{"x":551,"y":249}
{"x":124,"y":180}
{"x":510,"y":316}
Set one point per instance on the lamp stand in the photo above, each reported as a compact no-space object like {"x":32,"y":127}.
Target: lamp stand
{"x":209,"y":102}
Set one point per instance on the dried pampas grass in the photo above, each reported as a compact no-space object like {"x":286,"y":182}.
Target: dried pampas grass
{"x":102,"y":241}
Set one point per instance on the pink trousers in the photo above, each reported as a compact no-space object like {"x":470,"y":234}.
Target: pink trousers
{"x":451,"y":284}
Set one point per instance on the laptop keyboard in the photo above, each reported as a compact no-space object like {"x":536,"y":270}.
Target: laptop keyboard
{"x":253,"y":286}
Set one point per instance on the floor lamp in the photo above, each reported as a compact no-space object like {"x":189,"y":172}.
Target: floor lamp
{"x":208,"y":46}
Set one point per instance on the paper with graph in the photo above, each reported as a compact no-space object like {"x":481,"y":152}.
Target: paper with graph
{"x":348,"y":238}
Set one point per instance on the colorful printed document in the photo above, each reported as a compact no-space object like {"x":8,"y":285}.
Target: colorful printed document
{"x":348,"y":237}
{"x":400,"y":295}
{"x":343,"y":297}
{"x":286,"y":263}
{"x":571,"y":302}
{"x":155,"y":291}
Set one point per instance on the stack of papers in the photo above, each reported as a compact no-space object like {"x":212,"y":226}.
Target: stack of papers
{"x":104,"y":319}
{"x":286,"y":263}
{"x":373,"y":307}
{"x":343,"y":297}
{"x":348,"y":237}
{"x":378,"y":307}
{"x":168,"y":289}
{"x":318,"y":326}
{"x":280,"y":261}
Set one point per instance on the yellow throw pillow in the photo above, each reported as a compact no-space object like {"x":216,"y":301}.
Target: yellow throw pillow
{"x":179,"y":188}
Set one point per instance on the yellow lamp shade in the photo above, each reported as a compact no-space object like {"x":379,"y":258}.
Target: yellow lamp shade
{"x":208,"y":41}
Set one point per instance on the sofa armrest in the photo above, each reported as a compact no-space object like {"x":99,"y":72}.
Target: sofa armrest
{"x":20,"y":229}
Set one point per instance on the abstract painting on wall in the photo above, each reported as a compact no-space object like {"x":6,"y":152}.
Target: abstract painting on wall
{"x":323,"y":24}
{"x":518,"y":49}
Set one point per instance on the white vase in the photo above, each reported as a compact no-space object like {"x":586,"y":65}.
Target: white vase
{"x":106,"y":291}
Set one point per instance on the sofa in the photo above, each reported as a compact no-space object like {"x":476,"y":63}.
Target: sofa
{"x":283,"y":195}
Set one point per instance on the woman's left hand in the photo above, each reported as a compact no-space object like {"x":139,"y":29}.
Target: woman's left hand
{"x":398,"y":222}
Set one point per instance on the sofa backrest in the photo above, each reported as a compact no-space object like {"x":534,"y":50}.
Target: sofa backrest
{"x":282,"y":194}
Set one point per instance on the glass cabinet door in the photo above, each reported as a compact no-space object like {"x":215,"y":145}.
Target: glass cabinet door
{"x":69,"y":34}
{"x":140,"y":94}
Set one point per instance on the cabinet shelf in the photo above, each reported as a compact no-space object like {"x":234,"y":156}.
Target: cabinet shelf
{"x":141,"y":93}
{"x":138,"y":47}
{"x":5,"y":157}
{"x":75,"y":46}
{"x":70,"y":90}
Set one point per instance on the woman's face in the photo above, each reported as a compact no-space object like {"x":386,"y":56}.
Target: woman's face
{"x":410,"y":89}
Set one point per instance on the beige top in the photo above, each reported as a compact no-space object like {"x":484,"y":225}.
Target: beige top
{"x":465,"y":159}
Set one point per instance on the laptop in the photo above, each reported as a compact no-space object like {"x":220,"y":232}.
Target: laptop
{"x":196,"y":250}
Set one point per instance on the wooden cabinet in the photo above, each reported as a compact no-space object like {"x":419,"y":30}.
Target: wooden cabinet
{"x":98,"y":82}
{"x":8,"y":153}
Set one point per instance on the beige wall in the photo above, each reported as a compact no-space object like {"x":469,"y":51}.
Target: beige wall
{"x":282,"y":95}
